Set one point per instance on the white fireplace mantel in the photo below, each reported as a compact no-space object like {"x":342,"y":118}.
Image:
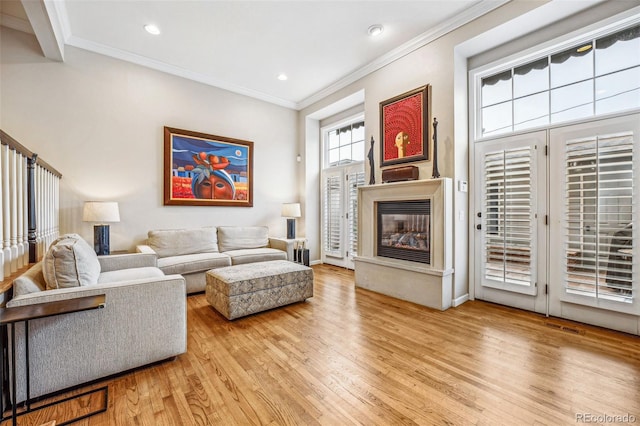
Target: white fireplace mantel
{"x":425,"y":284}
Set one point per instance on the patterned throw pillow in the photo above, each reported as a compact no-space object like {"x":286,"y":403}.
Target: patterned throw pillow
{"x":70,"y":262}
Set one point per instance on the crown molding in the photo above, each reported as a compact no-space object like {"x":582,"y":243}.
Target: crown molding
{"x":442,"y":29}
{"x":479,"y":9}
{"x":174,"y":70}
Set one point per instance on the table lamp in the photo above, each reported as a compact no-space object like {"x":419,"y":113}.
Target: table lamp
{"x":291,"y":211}
{"x":101,"y":212}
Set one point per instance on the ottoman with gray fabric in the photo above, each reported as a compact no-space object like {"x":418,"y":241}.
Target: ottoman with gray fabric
{"x":239,"y":290}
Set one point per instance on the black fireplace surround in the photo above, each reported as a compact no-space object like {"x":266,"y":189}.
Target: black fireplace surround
{"x":404,"y":230}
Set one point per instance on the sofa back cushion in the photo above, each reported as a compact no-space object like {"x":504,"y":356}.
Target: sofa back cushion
{"x":242,"y":237}
{"x":177,"y":242}
{"x":70,"y":262}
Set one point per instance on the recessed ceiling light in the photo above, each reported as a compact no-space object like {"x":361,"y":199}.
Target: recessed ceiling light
{"x":152,"y":29}
{"x":375,"y":30}
{"x":282,"y":77}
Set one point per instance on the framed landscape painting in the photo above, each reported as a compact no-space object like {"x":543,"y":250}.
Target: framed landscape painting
{"x":404,"y":127}
{"x":207,"y":170}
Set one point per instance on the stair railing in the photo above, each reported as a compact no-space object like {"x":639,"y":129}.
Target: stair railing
{"x":29,"y":206}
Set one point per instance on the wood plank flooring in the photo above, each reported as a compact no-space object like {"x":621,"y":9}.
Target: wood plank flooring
{"x":350,"y":356}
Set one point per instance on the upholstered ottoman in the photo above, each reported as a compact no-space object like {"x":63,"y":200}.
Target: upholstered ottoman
{"x":239,"y":290}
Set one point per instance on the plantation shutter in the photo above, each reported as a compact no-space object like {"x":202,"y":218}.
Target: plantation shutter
{"x":354,"y":180}
{"x":509,"y":225}
{"x":333,"y":214}
{"x":598,"y":194}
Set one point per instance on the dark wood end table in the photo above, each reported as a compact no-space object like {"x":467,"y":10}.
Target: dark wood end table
{"x":10,"y":316}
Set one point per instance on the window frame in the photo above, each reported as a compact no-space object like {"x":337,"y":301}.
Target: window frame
{"x":557,"y":45}
{"x":324,"y":131}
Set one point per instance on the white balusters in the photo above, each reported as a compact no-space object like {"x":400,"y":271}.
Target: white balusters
{"x":56,"y":206}
{"x":47,"y":204}
{"x":27,"y":226}
{"x":13,"y":208}
{"x":6,"y":212}
{"x":48,"y":227}
{"x":3,"y":217}
{"x":25,"y":210}
{"x":39,"y":212}
{"x":22,"y":192}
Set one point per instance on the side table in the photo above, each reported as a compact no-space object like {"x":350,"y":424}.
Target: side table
{"x":295,"y":245}
{"x":301,"y":255}
{"x":10,"y":316}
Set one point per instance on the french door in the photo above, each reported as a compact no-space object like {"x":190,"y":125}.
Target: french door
{"x":555,"y":213}
{"x":510,"y":240}
{"x":340,"y":214}
{"x":594,"y":216}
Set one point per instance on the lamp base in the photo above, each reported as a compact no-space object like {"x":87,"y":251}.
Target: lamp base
{"x":291,"y":229}
{"x":101,"y":239}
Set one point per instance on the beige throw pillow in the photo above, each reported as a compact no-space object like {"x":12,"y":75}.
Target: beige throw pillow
{"x":70,"y":262}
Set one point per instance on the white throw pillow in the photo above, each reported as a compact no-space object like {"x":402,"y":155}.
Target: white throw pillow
{"x":70,"y":262}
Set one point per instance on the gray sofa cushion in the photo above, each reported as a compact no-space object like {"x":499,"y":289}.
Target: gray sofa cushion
{"x":242,"y":237}
{"x":70,"y":262}
{"x":191,"y":263}
{"x":129,"y":274}
{"x":239,"y":257}
{"x":176,"y":242}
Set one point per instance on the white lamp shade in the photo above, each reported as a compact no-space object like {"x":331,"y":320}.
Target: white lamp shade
{"x":100,"y":211}
{"x":291,"y":210}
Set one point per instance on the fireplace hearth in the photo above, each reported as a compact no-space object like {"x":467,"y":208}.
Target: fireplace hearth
{"x":404,"y":230}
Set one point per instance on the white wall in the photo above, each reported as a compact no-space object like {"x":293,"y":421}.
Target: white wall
{"x":443,"y":64}
{"x":99,"y":121}
{"x":433,"y":64}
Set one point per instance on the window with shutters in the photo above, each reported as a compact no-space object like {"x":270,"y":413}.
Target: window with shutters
{"x":508,"y":218}
{"x":554,"y":147}
{"x":354,"y":180}
{"x":333,"y":214}
{"x":343,"y":172}
{"x":598,"y":213}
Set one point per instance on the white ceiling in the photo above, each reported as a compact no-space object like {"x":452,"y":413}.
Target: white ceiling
{"x":242,"y":46}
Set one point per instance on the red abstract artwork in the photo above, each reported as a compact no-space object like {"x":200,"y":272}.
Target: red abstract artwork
{"x":403,"y":127}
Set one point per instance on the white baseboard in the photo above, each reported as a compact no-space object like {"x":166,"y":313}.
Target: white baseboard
{"x":315,"y":262}
{"x":459,"y":300}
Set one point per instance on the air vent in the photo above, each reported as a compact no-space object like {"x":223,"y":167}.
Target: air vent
{"x":565,"y":328}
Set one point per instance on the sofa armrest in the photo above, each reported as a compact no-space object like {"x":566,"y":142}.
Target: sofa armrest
{"x":284,"y":245}
{"x":126,"y":261}
{"x":143,"y":321}
{"x":92,"y":290}
{"x":143,"y":248}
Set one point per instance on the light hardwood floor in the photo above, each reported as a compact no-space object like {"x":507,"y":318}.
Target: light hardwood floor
{"x":350,"y":356}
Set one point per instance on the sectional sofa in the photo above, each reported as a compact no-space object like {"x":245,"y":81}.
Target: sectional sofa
{"x":144,"y":319}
